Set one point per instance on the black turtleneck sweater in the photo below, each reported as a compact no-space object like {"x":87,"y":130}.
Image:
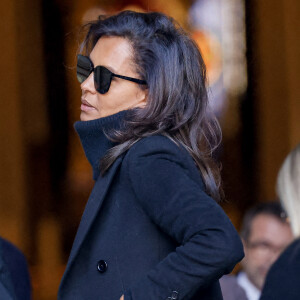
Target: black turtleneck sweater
{"x":94,"y":140}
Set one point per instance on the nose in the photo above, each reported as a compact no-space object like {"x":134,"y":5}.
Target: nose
{"x":88,"y":85}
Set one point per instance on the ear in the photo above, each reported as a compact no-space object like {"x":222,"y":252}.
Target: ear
{"x":244,"y":245}
{"x":243,"y":241}
{"x":141,"y":97}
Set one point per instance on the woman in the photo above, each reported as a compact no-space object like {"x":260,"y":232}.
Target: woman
{"x":151,"y":228}
{"x":282,"y":281}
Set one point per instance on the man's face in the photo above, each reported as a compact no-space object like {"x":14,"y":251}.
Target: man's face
{"x":268,"y":238}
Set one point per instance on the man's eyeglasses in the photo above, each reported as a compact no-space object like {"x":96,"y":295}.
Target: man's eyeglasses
{"x":102,"y":76}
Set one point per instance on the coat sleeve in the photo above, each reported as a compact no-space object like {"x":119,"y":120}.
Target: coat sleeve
{"x":178,"y":205}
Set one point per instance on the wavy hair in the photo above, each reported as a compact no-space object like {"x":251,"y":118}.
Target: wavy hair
{"x":177,"y":102}
{"x":288,"y":188}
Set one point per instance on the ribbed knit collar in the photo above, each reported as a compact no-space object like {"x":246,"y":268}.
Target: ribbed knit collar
{"x":93,"y":139}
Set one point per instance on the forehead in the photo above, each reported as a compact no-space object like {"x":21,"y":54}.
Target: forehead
{"x":114,"y":53}
{"x":269,"y":228}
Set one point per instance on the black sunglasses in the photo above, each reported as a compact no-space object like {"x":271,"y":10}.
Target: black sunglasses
{"x":102,"y":76}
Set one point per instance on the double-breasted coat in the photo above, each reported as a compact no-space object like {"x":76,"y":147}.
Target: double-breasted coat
{"x":149,"y":230}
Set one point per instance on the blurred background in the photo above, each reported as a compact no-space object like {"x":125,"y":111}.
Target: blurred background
{"x":251,"y":49}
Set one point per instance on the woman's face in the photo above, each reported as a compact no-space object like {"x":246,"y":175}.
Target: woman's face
{"x":114,"y":53}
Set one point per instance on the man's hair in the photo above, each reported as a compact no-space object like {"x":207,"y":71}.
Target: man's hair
{"x":269,"y":208}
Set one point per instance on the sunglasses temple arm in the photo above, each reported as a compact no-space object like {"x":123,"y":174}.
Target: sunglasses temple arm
{"x":130,"y":79}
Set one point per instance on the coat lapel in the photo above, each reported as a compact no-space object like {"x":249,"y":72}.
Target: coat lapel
{"x":91,"y":209}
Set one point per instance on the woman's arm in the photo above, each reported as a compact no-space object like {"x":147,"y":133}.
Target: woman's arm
{"x":210,"y":246}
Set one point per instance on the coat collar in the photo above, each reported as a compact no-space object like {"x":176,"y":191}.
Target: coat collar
{"x":94,"y":140}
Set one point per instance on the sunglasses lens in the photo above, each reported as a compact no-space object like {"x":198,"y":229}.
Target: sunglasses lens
{"x":102,"y":78}
{"x":84,"y":68}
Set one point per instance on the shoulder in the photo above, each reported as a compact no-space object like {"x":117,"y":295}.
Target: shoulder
{"x":159,"y":146}
{"x":155,"y":141}
{"x":290,"y":258}
{"x":16,"y":268}
{"x":282,"y":278}
{"x":156,"y":154}
{"x":10,"y":253}
{"x":293,"y":251}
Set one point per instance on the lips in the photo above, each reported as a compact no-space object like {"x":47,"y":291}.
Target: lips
{"x":86,"y":106}
{"x":83,"y":101}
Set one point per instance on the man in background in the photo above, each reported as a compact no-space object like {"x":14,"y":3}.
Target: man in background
{"x":265,"y":234}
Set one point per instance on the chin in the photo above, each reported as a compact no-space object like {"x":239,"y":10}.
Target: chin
{"x":85,"y":117}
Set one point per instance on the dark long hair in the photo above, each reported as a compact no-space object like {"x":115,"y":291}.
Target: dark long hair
{"x":177,"y":103}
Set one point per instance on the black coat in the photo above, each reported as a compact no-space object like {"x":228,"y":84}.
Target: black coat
{"x":14,"y":275}
{"x":282,"y":281}
{"x":149,"y":231}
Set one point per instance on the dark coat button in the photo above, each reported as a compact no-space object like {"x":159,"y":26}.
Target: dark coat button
{"x":174,"y":295}
{"x":102,"y":266}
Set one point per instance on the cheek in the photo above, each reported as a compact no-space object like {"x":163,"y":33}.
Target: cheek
{"x":121,"y":96}
{"x":129,"y":96}
{"x":250,"y":259}
{"x":111,"y":103}
{"x":108,"y":101}
{"x":126,"y":96}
